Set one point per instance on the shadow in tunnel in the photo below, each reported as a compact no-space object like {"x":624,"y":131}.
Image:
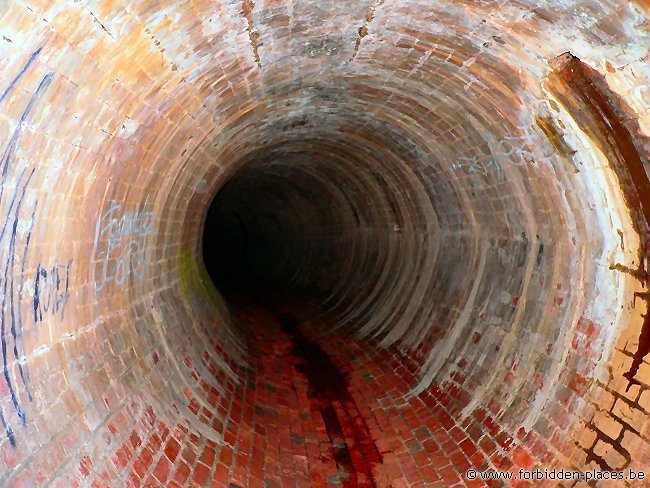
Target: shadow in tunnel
{"x":268,"y":239}
{"x":257,"y":249}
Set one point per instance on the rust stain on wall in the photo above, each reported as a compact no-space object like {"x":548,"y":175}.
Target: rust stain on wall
{"x":247,"y":10}
{"x":555,"y":135}
{"x":363,"y":30}
{"x":611,"y":125}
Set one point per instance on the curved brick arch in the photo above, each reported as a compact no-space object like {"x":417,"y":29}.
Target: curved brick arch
{"x":430,"y":241}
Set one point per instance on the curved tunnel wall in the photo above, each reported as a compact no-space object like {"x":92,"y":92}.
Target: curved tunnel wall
{"x":463,"y":198}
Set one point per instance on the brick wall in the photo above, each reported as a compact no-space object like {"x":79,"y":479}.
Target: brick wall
{"x":466,"y":202}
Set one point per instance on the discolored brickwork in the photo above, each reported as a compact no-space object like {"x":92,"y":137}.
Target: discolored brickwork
{"x":432,"y":233}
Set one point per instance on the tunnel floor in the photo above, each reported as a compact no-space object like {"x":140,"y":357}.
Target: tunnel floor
{"x":330,"y":412}
{"x":314,"y":433}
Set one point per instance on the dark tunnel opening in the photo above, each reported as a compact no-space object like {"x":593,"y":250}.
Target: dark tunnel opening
{"x":265,"y":247}
{"x":224,"y":241}
{"x":243,"y":240}
{"x":269,"y":237}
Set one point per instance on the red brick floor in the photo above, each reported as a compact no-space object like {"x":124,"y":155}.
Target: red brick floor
{"x":330,"y":414}
{"x":306,"y":434}
{"x":317,"y":435}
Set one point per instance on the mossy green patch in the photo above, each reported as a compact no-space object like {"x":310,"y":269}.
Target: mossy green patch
{"x":195,"y":279}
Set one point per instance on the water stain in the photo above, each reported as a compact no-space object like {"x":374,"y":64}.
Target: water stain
{"x":247,"y":10}
{"x":355,"y":456}
{"x":363,"y":30}
{"x":613,"y":127}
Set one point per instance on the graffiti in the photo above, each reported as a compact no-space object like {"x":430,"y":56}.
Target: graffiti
{"x":474,"y":165}
{"x":20,"y":74}
{"x":51,"y":290}
{"x":514,"y":149}
{"x":14,"y":246}
{"x":121,"y":244}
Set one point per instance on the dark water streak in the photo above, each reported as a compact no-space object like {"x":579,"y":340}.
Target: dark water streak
{"x":329,"y":387}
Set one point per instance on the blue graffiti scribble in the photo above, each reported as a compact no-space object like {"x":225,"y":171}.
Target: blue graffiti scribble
{"x":25,"y":370}
{"x":10,"y":433}
{"x":49,"y":294}
{"x":20,"y":75}
{"x":11,"y":315}
{"x":3,"y":321}
{"x":11,"y":148}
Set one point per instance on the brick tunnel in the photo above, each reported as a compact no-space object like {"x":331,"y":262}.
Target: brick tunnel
{"x":272,"y":243}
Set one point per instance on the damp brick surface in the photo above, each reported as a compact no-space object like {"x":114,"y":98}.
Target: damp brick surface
{"x":453,"y":196}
